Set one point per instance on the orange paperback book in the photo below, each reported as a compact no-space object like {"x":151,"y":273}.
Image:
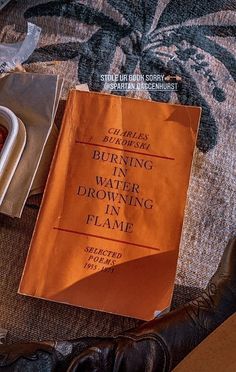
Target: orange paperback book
{"x":108,"y":232}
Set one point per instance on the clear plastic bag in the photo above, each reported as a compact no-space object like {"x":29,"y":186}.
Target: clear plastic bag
{"x":12,"y":55}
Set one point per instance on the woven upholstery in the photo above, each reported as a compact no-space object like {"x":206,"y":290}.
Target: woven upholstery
{"x":91,"y":38}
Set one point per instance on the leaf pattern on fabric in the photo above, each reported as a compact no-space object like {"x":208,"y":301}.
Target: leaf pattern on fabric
{"x":154,"y":43}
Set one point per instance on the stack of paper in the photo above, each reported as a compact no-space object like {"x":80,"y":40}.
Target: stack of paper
{"x":34,"y":99}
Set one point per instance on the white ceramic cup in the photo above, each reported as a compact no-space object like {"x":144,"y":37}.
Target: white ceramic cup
{"x":8,"y":120}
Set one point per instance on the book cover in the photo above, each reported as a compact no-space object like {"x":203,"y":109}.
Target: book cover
{"x":108,"y":232}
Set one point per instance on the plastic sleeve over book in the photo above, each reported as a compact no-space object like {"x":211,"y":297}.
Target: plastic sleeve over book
{"x":108,"y":232}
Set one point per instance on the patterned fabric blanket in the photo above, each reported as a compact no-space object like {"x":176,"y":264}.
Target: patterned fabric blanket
{"x":83,"y":39}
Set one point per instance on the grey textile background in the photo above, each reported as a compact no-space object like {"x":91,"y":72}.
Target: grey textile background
{"x":82,"y":40}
